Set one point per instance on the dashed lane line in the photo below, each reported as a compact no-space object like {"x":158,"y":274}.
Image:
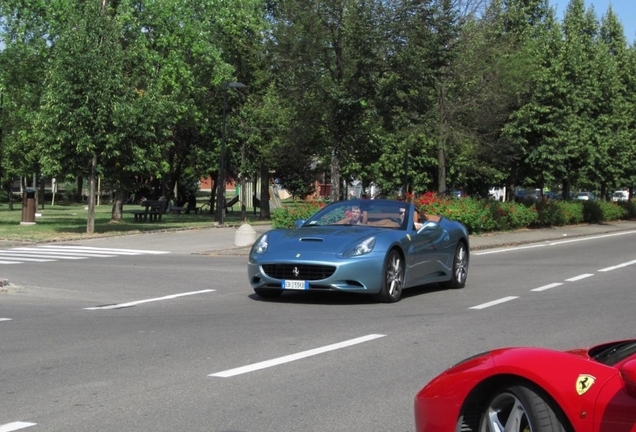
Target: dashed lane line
{"x":293,"y":357}
{"x":547,"y":287}
{"x":494,"y":302}
{"x":10,"y":427}
{"x":579,"y":277}
{"x":606,"y":269}
{"x":138,"y":302}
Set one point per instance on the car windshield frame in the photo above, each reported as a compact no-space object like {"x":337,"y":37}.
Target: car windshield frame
{"x":377,"y":213}
{"x":615,"y":353}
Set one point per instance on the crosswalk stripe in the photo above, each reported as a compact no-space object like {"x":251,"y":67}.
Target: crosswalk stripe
{"x":55,"y":253}
{"x":49,"y":253}
{"x":84,"y":251}
{"x":2,"y":256}
{"x":19,"y":255}
{"x":126,"y":251}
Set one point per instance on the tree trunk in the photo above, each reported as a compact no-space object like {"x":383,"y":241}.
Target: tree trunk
{"x":265,"y":213}
{"x":212,"y":200}
{"x":118,"y":206}
{"x":90,"y":224}
{"x":335,"y":176}
{"x":78,"y":190}
{"x":441,"y":170}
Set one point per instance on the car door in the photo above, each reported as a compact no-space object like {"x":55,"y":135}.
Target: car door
{"x":424,"y":252}
{"x":615,"y":408}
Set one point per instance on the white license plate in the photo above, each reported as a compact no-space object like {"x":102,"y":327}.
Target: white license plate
{"x":295,"y":284}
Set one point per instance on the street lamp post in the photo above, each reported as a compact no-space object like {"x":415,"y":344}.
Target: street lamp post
{"x":220,"y":203}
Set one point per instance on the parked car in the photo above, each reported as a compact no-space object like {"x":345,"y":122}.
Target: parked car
{"x":585,"y":196}
{"x":534,"y":390}
{"x":620,"y":195}
{"x":362,"y":246}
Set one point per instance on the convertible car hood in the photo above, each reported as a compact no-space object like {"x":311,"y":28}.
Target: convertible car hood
{"x":329,"y":239}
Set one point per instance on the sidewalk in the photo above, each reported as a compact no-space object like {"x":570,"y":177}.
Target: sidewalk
{"x":497,"y":239}
{"x":526,"y":236}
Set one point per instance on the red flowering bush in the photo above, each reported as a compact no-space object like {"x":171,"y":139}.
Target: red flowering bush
{"x":478,"y":215}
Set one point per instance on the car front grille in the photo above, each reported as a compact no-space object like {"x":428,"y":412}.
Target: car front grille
{"x":298,"y":271}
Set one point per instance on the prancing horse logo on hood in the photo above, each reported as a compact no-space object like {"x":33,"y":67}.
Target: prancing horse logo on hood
{"x":296,"y":272}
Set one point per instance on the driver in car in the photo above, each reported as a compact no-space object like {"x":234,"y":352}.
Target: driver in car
{"x":356,"y":216}
{"x":416,"y":218}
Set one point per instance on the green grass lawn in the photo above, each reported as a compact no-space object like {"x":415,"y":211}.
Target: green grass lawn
{"x":69,"y":221}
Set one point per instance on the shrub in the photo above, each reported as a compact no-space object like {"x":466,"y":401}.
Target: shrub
{"x":551,"y":213}
{"x":630,"y":209}
{"x":478,"y":215}
{"x":592,"y":212}
{"x":510,"y":215}
{"x":612,"y":211}
{"x":572,"y":212}
{"x":286,"y":216}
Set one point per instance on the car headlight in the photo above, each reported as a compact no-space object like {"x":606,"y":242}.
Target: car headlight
{"x":260,"y":247}
{"x":361,"y":248}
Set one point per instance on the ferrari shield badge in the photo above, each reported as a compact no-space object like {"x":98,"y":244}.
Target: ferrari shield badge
{"x":583,"y":383}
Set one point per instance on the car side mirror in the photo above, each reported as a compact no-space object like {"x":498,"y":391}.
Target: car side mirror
{"x":427,"y":226}
{"x":628,"y":374}
{"x":299,"y":223}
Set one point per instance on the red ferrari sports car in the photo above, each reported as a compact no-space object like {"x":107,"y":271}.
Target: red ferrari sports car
{"x":534,"y":390}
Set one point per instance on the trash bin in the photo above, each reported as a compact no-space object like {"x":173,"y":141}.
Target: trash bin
{"x":28,"y":207}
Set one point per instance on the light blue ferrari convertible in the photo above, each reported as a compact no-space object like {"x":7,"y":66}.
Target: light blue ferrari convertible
{"x":375,"y":247}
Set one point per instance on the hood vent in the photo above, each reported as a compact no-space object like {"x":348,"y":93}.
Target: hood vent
{"x":311,"y":239}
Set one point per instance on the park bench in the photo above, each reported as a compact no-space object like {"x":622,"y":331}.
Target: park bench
{"x":229,"y":204}
{"x":152,"y":212}
{"x":186,"y":210}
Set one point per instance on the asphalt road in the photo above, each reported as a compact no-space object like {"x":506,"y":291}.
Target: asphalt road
{"x":177,"y":341}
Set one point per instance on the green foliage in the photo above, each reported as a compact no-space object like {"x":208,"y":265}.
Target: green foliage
{"x":286,"y":216}
{"x":550,"y":213}
{"x":612,"y":211}
{"x":401,"y":93}
{"x":592,"y":211}
{"x":479,"y":215}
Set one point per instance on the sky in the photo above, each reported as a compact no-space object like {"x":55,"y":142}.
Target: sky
{"x":624,"y":9}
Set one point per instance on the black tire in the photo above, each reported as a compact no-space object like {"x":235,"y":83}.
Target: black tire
{"x":268,"y":292}
{"x":520,"y":408}
{"x":393,"y":278}
{"x":459,"y":272}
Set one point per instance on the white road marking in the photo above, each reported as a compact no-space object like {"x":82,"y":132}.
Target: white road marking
{"x":49,"y":253}
{"x":509,"y":249}
{"x":592,"y":237}
{"x":579,"y":277}
{"x":106,"y":250}
{"x":9,"y":427}
{"x":5,"y":319}
{"x":135,"y":303}
{"x":19,"y":255}
{"x":2,"y":256}
{"x":293,"y":357}
{"x":547,"y":287}
{"x":57,"y":252}
{"x":494,"y":302}
{"x":606,"y":269}
{"x":554,"y":243}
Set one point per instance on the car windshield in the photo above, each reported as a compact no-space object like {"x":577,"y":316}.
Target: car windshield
{"x":379,"y":213}
{"x":614,"y":353}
